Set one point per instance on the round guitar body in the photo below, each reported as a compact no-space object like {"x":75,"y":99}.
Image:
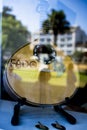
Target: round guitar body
{"x":42,"y":74}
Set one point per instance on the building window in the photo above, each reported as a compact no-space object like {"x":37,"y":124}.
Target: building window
{"x":61,"y":45}
{"x":42,"y":39}
{"x":69,"y":45}
{"x":48,"y":39}
{"x":69,"y":52}
{"x":69,"y":38}
{"x":62,"y":39}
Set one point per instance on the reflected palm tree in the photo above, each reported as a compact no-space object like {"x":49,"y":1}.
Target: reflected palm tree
{"x":57,"y":23}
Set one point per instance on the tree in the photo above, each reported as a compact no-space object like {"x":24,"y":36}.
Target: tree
{"x":58,"y":23}
{"x":14,"y":34}
{"x":78,"y":56}
{"x":46,"y":26}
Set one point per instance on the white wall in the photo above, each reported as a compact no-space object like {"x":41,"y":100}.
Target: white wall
{"x":65,"y":42}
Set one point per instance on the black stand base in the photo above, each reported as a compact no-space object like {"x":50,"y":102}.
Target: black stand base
{"x":15,"y":117}
{"x":59,"y":109}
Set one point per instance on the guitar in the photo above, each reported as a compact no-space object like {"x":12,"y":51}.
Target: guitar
{"x":41,"y":74}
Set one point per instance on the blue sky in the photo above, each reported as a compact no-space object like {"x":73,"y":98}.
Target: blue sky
{"x":27,"y":11}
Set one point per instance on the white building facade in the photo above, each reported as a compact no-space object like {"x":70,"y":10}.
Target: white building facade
{"x":66,"y":42}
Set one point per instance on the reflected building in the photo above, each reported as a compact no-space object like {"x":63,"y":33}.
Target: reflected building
{"x":69,"y":42}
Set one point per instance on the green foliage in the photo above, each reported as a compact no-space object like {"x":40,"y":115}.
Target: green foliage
{"x":14,"y":34}
{"x":83,"y":79}
{"x":46,"y":26}
{"x":78,"y":55}
{"x":57,"y":22}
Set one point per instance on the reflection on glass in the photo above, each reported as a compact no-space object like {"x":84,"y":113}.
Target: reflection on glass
{"x":39,"y":74}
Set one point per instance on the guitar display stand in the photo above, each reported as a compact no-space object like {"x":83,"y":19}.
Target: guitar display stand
{"x":57,"y":108}
{"x":40,"y":66}
{"x":69,"y":117}
{"x":15,"y":117}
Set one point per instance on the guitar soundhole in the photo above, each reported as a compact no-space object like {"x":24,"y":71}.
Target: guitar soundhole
{"x":44,"y":53}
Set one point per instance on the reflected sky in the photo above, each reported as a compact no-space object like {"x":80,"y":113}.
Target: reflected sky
{"x":25,"y":10}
